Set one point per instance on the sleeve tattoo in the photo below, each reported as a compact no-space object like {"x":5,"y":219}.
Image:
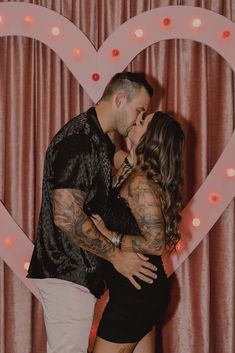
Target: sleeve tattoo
{"x":71,"y":219}
{"x":145,"y":205}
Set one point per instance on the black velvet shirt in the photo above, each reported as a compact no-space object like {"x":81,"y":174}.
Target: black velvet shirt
{"x":78,"y":157}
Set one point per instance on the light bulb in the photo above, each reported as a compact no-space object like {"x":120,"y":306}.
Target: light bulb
{"x":9,"y":241}
{"x":95,"y":77}
{"x":115,"y":52}
{"x":55,"y":31}
{"x":166,"y":22}
{"x":226,"y":34}
{"x":26,"y":265}
{"x":231,"y":172}
{"x":139,"y":33}
{"x":197,"y":22}
{"x":196,"y":222}
{"x":77,"y":53}
{"x":214,"y":198}
{"x":28,"y":19}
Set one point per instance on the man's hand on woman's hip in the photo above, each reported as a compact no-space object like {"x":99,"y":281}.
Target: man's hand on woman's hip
{"x":134,"y":264}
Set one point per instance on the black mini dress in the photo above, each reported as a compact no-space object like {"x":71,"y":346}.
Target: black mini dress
{"x":130,"y":313}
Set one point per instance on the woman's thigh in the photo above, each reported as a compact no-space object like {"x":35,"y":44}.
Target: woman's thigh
{"x":147,"y":344}
{"x":103,"y":346}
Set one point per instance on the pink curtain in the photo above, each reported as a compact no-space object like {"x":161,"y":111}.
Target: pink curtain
{"x":38,"y":95}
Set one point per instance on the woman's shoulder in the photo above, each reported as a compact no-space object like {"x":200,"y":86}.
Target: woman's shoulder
{"x":141,"y":181}
{"x":139,"y":176}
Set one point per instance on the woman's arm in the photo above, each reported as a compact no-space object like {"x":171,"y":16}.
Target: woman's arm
{"x":145,"y":205}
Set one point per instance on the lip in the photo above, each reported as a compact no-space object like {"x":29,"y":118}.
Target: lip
{"x":129,"y":129}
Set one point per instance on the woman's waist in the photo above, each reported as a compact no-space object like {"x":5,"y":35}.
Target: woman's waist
{"x":121,"y":287}
{"x":115,"y":280}
{"x":153,"y":259}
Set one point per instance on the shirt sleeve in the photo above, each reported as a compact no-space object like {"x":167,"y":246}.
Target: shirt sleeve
{"x":75,"y":163}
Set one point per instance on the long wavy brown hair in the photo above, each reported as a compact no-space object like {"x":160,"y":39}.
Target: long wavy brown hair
{"x":159,"y":154}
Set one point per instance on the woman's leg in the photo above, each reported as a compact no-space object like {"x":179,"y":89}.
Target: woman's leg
{"x":147,"y":344}
{"x":103,"y":346}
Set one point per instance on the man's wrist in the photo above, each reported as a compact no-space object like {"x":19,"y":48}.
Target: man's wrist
{"x":117,"y":240}
{"x":114,"y":257}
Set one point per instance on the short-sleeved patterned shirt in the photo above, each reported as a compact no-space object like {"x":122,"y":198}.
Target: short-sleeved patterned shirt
{"x":79,"y":157}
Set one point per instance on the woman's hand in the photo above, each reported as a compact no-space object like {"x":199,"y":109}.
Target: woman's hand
{"x":99,"y":223}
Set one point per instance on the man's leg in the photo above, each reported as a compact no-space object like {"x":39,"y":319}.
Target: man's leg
{"x":68,"y":313}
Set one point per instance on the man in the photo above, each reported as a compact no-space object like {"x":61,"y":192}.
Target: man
{"x":77,"y":178}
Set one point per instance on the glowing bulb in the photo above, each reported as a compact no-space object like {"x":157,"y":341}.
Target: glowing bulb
{"x":226,"y":34}
{"x":115,"y":52}
{"x":179,"y":246}
{"x":77,"y":53}
{"x":28,"y":19}
{"x":55,"y":31}
{"x":196,"y":222}
{"x":1,"y":19}
{"x":166,"y":22}
{"x":139,"y":33}
{"x":95,"y":77}
{"x":231,"y":172}
{"x":214,"y":198}
{"x":93,"y":331}
{"x":26,"y":265}
{"x":197,"y":22}
{"x":9,"y":241}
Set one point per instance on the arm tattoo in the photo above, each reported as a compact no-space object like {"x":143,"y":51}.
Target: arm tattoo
{"x":71,"y":219}
{"x":145,"y":205}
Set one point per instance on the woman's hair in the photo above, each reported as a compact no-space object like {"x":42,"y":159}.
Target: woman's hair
{"x":159,"y":154}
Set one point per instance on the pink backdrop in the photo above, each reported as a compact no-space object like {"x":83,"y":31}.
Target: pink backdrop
{"x":38,"y":95}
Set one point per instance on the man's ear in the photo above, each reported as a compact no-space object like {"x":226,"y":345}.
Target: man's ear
{"x":120,"y":99}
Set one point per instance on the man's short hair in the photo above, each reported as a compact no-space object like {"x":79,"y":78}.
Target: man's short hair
{"x":130,"y":82}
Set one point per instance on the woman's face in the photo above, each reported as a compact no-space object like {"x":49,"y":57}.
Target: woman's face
{"x":138,"y":130}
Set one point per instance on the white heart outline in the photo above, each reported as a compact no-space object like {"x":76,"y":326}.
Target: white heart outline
{"x":13,"y":24}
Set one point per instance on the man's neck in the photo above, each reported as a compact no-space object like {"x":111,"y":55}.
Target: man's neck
{"x":104,"y":115}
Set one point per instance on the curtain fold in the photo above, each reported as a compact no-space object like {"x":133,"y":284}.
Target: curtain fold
{"x":38,"y":95}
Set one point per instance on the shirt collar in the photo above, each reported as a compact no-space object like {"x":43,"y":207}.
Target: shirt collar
{"x":105,"y":138}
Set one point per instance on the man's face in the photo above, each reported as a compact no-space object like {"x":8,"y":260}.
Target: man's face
{"x":131,"y":111}
{"x":139,"y":129}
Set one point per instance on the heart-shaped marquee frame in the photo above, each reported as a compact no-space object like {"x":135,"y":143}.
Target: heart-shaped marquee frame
{"x":93,"y":69}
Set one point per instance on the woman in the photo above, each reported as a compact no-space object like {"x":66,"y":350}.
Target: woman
{"x":145,"y":203}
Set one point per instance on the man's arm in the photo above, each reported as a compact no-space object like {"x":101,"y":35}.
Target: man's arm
{"x":71,"y":219}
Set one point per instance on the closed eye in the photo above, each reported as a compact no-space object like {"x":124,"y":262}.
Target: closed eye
{"x":143,"y":118}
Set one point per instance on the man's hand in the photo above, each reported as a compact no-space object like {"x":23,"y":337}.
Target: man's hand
{"x":134,"y":264}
